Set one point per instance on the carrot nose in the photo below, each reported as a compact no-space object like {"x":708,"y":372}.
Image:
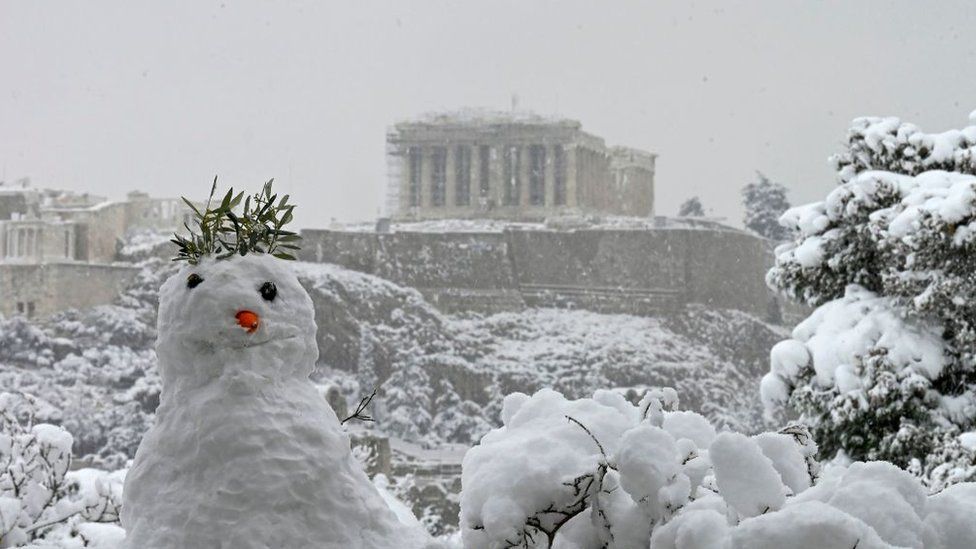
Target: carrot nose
{"x":248,"y":320}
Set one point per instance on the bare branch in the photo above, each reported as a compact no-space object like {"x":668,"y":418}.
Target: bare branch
{"x":600,"y":446}
{"x":361,"y":409}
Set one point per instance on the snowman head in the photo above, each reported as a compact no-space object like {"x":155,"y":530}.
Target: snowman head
{"x":241,"y":318}
{"x":235,"y":311}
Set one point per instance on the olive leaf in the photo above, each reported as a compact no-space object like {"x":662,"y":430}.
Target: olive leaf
{"x":223,"y":233}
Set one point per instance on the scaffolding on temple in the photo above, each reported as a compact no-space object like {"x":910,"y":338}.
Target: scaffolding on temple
{"x":394,"y":167}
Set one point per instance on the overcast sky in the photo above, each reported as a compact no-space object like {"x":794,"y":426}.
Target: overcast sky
{"x":114,"y":96}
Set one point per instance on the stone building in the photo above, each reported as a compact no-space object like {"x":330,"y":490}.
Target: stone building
{"x":58,"y":249}
{"x":511,"y":165}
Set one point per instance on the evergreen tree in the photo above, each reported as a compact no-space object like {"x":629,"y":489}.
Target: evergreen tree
{"x":765,"y":201}
{"x":885,"y":368}
{"x":691,"y":208}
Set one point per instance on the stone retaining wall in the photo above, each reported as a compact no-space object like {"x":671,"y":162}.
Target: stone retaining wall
{"x":635,"y":271}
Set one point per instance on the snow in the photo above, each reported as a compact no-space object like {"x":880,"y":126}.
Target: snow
{"x":898,"y":204}
{"x":690,"y":425}
{"x":101,"y":536}
{"x":774,"y":392}
{"x":402,"y":512}
{"x":242,"y":431}
{"x":887,"y":258}
{"x":746,"y":477}
{"x":646,"y":488}
{"x":810,"y":525}
{"x":40,"y":501}
{"x":143,"y":242}
{"x":53,"y":437}
{"x":475,"y":115}
{"x":9,"y":513}
{"x":567,"y":222}
{"x":787,"y":357}
{"x":949,"y":197}
{"x":839,"y":334}
{"x":968,"y":440}
{"x":697,"y":529}
{"x":786,"y":457}
{"x":648,"y":465}
{"x":810,"y":252}
{"x":367,"y":323}
{"x":523,"y":466}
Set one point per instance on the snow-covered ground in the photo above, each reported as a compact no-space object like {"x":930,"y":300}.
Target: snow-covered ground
{"x":441,"y":378}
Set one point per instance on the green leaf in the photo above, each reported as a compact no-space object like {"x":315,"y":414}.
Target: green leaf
{"x":194,"y":208}
{"x":225,"y":203}
{"x":236,"y":200}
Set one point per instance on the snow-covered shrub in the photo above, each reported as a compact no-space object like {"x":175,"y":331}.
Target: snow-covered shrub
{"x":40,"y":500}
{"x":886,"y":368}
{"x":21,"y":342}
{"x":765,"y":201}
{"x":602,"y":472}
{"x":888,"y":144}
{"x":92,"y":371}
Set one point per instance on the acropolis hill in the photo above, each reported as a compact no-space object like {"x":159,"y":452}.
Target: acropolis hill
{"x":497,"y":211}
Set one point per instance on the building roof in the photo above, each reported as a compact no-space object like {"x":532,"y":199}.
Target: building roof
{"x":468,"y":117}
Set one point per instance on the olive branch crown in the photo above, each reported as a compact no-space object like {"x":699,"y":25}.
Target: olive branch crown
{"x":222,"y":233}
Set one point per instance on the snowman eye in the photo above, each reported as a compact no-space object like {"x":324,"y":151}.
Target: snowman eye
{"x":269,"y":291}
{"x":193,"y":280}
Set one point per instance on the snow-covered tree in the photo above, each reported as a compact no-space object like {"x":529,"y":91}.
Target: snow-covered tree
{"x":765,"y":201}
{"x":42,"y":501}
{"x":691,"y":208}
{"x":886,"y":367}
{"x":602,"y":472}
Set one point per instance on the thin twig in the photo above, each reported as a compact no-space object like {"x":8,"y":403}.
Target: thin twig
{"x":359,"y":413}
{"x":600,"y":446}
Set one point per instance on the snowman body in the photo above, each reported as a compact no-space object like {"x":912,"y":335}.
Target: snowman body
{"x":245,"y":453}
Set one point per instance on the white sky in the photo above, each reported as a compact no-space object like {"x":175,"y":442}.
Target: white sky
{"x":160,"y":96}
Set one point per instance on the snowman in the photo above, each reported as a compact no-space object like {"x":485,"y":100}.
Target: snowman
{"x":245,"y":453}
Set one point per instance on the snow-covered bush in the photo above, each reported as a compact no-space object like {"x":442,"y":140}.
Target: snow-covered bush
{"x":765,"y":201}
{"x":92,"y":371}
{"x":886,"y":368}
{"x":41,"y":501}
{"x":888,"y":144}
{"x":21,"y":342}
{"x":602,"y":472}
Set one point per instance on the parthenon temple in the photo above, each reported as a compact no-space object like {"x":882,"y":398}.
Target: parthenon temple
{"x":511,"y":165}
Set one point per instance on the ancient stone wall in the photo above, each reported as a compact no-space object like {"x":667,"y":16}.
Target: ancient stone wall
{"x":445,"y":260}
{"x":353,"y":250}
{"x":44,"y":289}
{"x":635,"y":271}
